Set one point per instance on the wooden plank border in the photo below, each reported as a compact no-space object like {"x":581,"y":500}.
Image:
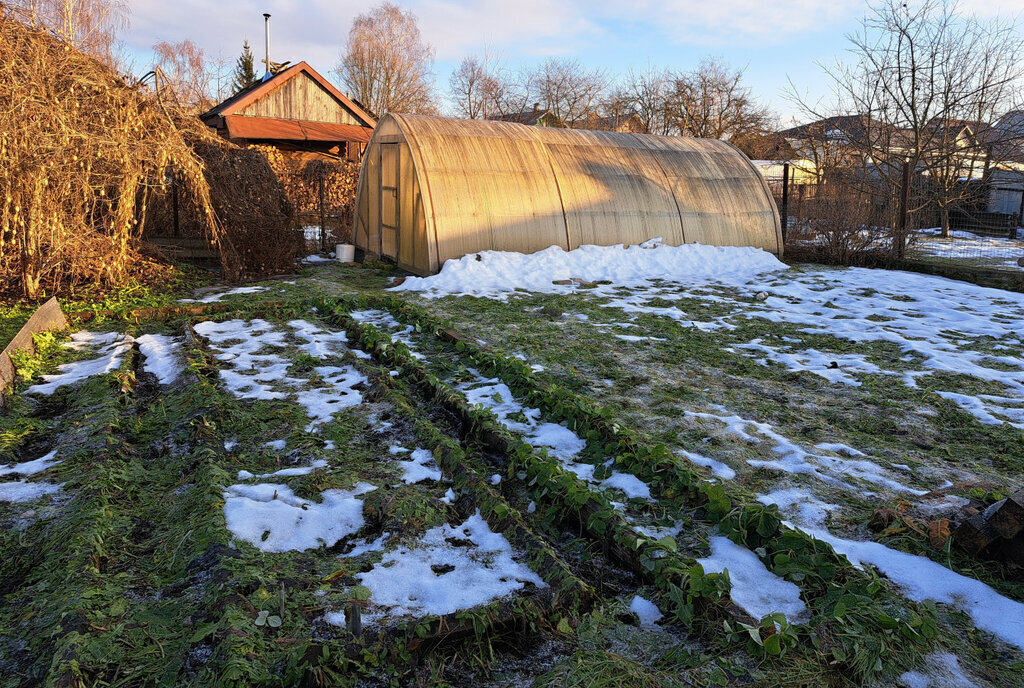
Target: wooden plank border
{"x":49,"y":316}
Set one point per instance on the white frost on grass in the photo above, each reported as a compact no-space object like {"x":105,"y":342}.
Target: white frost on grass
{"x":755,"y":589}
{"x":161,"y":354}
{"x":110,"y":348}
{"x":254,"y":372}
{"x":918,"y":577}
{"x":212,"y":298}
{"x":404,"y":583}
{"x":31,"y":467}
{"x":273,"y":519}
{"x":420,"y":466}
{"x":24,"y":491}
{"x":560,"y":442}
{"x":646,"y":610}
{"x":794,"y":458}
{"x":497,"y":274}
{"x":718,"y":468}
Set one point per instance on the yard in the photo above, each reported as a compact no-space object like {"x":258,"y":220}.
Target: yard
{"x":522,"y":471}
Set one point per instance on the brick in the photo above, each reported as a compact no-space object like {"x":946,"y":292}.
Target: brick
{"x":974,"y":535}
{"x":1008,"y":519}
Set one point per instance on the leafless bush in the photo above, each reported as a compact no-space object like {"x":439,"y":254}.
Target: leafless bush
{"x":840,"y":226}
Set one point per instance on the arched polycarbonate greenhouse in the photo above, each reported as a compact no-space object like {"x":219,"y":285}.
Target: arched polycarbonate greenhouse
{"x":431,"y":189}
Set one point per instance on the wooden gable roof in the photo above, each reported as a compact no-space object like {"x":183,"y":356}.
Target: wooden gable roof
{"x":298,"y":93}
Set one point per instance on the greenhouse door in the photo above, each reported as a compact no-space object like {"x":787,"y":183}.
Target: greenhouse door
{"x":389,"y":200}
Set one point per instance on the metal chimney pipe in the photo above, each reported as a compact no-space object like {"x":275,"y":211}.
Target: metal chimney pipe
{"x":266,"y":25}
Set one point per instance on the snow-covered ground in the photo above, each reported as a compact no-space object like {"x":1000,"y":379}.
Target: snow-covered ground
{"x":109,"y":347}
{"x":935,"y":326}
{"x":1002,"y":251}
{"x":497,"y":274}
{"x":256,"y":367}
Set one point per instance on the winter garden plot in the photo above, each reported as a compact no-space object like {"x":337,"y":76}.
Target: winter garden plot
{"x":331,"y":424}
{"x":925,"y":351}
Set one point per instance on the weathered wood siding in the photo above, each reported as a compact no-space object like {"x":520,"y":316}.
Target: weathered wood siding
{"x":301,"y":98}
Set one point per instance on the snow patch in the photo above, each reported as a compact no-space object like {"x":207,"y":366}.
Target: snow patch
{"x":273,"y":519}
{"x":109,"y":345}
{"x":161,"y":354}
{"x":755,"y":589}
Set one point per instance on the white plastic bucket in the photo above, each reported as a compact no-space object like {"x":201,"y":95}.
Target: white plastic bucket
{"x":345,"y":253}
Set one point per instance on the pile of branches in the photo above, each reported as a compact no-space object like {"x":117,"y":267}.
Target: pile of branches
{"x":84,"y":155}
{"x":257,"y":235}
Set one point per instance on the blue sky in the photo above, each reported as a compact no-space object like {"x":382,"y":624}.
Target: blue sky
{"x":773,"y":40}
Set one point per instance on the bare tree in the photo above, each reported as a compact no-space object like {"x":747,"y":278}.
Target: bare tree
{"x":182,"y":70}
{"x":927,"y":82}
{"x":712,"y":102}
{"x":648,"y":92}
{"x":91,"y":26}
{"x":474,"y":86}
{"x":386,"y":64}
{"x":568,"y":89}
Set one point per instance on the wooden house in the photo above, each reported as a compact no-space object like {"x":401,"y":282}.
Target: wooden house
{"x":631,"y":123}
{"x":432,"y":188}
{"x":535,"y":117}
{"x":295,"y":110}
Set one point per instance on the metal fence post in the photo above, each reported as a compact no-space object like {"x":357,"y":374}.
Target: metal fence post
{"x":900,"y":240}
{"x":323,"y":214}
{"x":785,"y":200}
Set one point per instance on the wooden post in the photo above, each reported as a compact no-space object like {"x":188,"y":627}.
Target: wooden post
{"x":174,"y":200}
{"x":323,"y":212}
{"x":900,"y":237}
{"x":785,"y":200}
{"x":1020,"y":214}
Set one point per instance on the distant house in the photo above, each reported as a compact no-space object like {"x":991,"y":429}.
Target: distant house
{"x":535,"y":117}
{"x":295,"y":110}
{"x":627,"y":124}
{"x":860,"y":141}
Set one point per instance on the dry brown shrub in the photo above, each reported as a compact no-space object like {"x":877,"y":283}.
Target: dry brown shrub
{"x":840,"y":226}
{"x":84,"y":158}
{"x":82,"y":153}
{"x":257,"y":237}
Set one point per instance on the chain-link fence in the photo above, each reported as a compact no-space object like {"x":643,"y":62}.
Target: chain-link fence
{"x":901,"y":218}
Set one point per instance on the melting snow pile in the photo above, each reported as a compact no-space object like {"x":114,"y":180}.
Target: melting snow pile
{"x":161,"y":354}
{"x":22,"y":490}
{"x":450,"y":568}
{"x":273,"y":519}
{"x":418,"y":467}
{"x":213,"y":298}
{"x":755,"y":589}
{"x":646,"y":610}
{"x":110,"y":346}
{"x":497,"y":273}
{"x":559,"y":441}
{"x":257,"y":371}
{"x":920,"y":578}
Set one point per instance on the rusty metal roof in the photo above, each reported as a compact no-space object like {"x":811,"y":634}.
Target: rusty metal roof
{"x":244,"y":127}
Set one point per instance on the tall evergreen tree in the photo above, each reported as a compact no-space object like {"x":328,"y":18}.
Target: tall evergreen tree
{"x":245,"y":72}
